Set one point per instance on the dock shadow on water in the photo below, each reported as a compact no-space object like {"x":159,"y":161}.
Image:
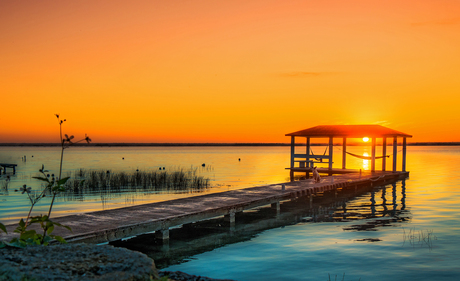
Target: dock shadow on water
{"x":370,"y":207}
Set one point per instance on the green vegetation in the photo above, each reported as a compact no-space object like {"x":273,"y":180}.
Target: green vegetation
{"x":53,"y":186}
{"x":106,"y":181}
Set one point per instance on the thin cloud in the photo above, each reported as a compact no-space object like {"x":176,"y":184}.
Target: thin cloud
{"x":384,"y":123}
{"x":437,"y":22}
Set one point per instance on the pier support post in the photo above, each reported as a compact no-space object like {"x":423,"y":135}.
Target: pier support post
{"x":331,"y":147}
{"x":277,"y":207}
{"x":373,"y":155}
{"x":344,"y":153}
{"x":384,"y":153}
{"x":404,"y":155}
{"x":395,"y":152}
{"x":230,"y":217}
{"x":162,"y":234}
{"x":292,"y":151}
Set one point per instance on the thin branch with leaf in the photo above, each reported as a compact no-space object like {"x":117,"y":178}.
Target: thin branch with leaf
{"x":54,"y":186}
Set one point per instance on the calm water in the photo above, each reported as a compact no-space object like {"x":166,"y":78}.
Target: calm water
{"x":257,"y":166}
{"x":409,"y":231}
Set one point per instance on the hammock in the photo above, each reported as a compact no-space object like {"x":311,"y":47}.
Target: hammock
{"x":366,"y":157}
{"x":313,"y":155}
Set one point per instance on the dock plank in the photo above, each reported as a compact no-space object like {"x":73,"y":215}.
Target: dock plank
{"x":115,"y":224}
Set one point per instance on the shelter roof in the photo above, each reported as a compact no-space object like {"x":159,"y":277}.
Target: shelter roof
{"x":349,"y":131}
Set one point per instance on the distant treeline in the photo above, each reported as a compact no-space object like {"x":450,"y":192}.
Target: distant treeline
{"x":220,"y":144}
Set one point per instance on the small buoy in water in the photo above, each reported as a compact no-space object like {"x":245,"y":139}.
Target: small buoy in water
{"x":163,"y":168}
{"x":202,"y":165}
{"x":123,"y":158}
{"x":137,"y":170}
{"x":239,"y":159}
{"x":160,"y":168}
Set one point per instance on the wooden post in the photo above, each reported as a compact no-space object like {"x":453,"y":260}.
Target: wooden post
{"x":404,"y":155}
{"x":330,"y":152}
{"x":308,"y":152}
{"x":373,"y":155}
{"x":162,"y":234}
{"x":230,"y":217}
{"x":292,"y":150}
{"x":384,"y":153}
{"x":277,"y":207}
{"x":395,"y":152}
{"x":344,"y":153}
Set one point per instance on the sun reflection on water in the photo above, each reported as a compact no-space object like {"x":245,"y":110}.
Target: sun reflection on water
{"x":365,"y":162}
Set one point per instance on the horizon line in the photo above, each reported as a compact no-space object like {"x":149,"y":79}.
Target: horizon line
{"x":224,"y":144}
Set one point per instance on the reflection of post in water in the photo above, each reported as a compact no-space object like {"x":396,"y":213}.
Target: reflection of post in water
{"x":403,"y":193}
{"x":373,"y":202}
{"x":384,"y":201}
{"x":344,"y":208}
{"x":394,"y":211}
{"x":202,"y":236}
{"x":394,"y":199}
{"x":104,"y":200}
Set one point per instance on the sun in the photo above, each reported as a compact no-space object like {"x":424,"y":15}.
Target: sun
{"x":365,"y":139}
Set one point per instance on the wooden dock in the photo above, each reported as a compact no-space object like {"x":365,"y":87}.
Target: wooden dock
{"x":116,"y":224}
{"x":4,"y":166}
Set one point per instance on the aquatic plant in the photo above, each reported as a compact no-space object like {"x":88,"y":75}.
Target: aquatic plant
{"x":53,"y":186}
{"x":4,"y":185}
{"x":335,"y":279}
{"x":162,"y":180}
{"x":419,"y":238}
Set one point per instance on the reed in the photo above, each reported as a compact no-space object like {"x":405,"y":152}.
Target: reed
{"x":335,"y":279}
{"x":4,"y":187}
{"x":419,"y":238}
{"x":106,"y":181}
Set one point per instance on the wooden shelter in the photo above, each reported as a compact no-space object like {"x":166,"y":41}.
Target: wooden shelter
{"x":304,"y":162}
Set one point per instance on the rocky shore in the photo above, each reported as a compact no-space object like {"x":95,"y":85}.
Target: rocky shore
{"x":182,"y":276}
{"x":83,"y":262}
{"x":75,"y":262}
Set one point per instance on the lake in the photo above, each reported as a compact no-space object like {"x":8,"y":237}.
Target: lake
{"x":406,"y":231}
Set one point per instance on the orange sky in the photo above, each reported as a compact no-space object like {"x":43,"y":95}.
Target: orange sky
{"x":227,"y":71}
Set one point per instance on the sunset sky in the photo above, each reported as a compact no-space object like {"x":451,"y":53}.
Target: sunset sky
{"x":227,"y":71}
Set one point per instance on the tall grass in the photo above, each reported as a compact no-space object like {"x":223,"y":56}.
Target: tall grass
{"x":419,"y":237}
{"x":90,"y":181}
{"x":4,"y":187}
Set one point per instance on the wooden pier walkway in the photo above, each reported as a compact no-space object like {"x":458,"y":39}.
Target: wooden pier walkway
{"x":116,"y":224}
{"x":4,"y":166}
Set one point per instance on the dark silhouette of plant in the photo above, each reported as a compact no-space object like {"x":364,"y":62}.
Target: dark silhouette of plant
{"x":53,"y":186}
